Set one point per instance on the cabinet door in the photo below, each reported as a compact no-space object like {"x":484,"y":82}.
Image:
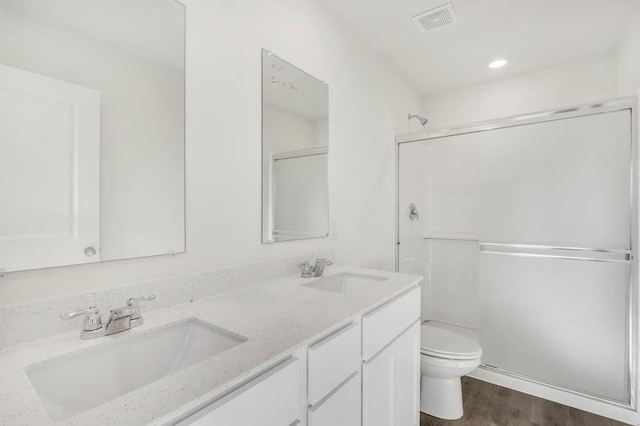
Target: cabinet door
{"x":273,"y":399}
{"x":391,"y":383}
{"x":342,"y":408}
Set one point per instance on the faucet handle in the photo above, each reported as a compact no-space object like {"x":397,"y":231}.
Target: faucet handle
{"x":305,"y":269}
{"x":133,"y":303}
{"x":318,"y":268}
{"x":92,"y":320}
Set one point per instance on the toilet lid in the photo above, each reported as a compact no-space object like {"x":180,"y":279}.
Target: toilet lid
{"x":442,"y":343}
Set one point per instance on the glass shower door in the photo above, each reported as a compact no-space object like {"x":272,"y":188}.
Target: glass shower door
{"x":523,"y":235}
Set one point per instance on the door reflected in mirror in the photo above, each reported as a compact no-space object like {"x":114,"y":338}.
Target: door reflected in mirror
{"x":295,"y":148}
{"x":91,"y":131}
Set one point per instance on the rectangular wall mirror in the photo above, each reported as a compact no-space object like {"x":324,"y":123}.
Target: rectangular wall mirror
{"x":91,"y":131}
{"x":295,"y":148}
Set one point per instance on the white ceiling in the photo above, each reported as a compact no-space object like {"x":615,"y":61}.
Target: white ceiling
{"x":531,"y":34}
{"x":153,"y":29}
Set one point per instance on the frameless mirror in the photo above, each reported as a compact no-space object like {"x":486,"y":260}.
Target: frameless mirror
{"x":91,"y":131}
{"x":295,"y":148}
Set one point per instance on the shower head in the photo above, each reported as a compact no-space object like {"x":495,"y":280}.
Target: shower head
{"x":422,"y":120}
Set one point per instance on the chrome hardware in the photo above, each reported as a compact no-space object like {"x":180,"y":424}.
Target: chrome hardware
{"x":588,"y":254}
{"x":308,"y":271}
{"x":305,"y":270}
{"x":90,"y":251}
{"x":318,"y":267}
{"x":520,"y":120}
{"x":423,"y":121}
{"x":120,"y":319}
{"x":414,"y":214}
{"x":136,"y":319}
{"x":92,"y":326}
{"x":557,"y":252}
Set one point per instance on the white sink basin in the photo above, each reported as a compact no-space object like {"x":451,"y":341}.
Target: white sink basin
{"x":345,"y":283}
{"x":78,"y":381}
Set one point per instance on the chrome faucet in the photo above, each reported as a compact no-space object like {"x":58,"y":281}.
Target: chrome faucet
{"x":120,"y":319}
{"x":305,"y":270}
{"x":92,"y":326}
{"x":308,"y":271}
{"x":319,"y":266}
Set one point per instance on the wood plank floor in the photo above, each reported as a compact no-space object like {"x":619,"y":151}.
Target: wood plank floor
{"x":486,"y":404}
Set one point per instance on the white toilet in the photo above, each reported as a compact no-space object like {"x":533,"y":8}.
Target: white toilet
{"x":445,"y":356}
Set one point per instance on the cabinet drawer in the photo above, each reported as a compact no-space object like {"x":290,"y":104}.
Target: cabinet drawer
{"x":386,"y":323}
{"x":272,"y":399}
{"x":332,"y":361}
{"x":342,"y":408}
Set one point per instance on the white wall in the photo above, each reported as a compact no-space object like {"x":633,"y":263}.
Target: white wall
{"x":223,"y":146}
{"x":629,"y":59}
{"x":142,"y":130}
{"x":591,"y":79}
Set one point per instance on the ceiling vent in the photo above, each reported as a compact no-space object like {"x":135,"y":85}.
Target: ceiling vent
{"x":436,"y":19}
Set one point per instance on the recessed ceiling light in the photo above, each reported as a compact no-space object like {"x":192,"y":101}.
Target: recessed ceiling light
{"x":499,"y":63}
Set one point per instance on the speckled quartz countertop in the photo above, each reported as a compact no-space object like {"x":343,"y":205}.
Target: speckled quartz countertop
{"x":277,"y":318}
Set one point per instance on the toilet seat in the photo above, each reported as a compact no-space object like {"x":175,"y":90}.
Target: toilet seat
{"x":440,"y":343}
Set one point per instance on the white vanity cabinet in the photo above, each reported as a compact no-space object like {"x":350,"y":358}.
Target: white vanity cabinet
{"x":367,"y":373}
{"x":391,"y":369}
{"x":272,"y":399}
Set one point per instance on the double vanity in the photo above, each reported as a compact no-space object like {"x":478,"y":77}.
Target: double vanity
{"x":342,"y":348}
{"x":324,"y":347}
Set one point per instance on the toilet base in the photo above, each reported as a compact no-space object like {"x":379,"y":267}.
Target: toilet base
{"x":441,"y":398}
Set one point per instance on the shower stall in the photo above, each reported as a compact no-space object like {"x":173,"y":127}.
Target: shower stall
{"x":525,"y":230}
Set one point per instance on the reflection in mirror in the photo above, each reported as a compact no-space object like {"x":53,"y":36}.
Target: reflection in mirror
{"x":295,"y":147}
{"x":91,"y":131}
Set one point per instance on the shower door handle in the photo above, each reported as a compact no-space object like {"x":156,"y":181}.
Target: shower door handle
{"x":557,"y":252}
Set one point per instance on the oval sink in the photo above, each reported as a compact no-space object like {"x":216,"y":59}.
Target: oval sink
{"x":78,"y":381}
{"x":345,"y":283}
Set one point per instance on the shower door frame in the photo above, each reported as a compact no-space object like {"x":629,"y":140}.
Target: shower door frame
{"x":628,"y":103}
